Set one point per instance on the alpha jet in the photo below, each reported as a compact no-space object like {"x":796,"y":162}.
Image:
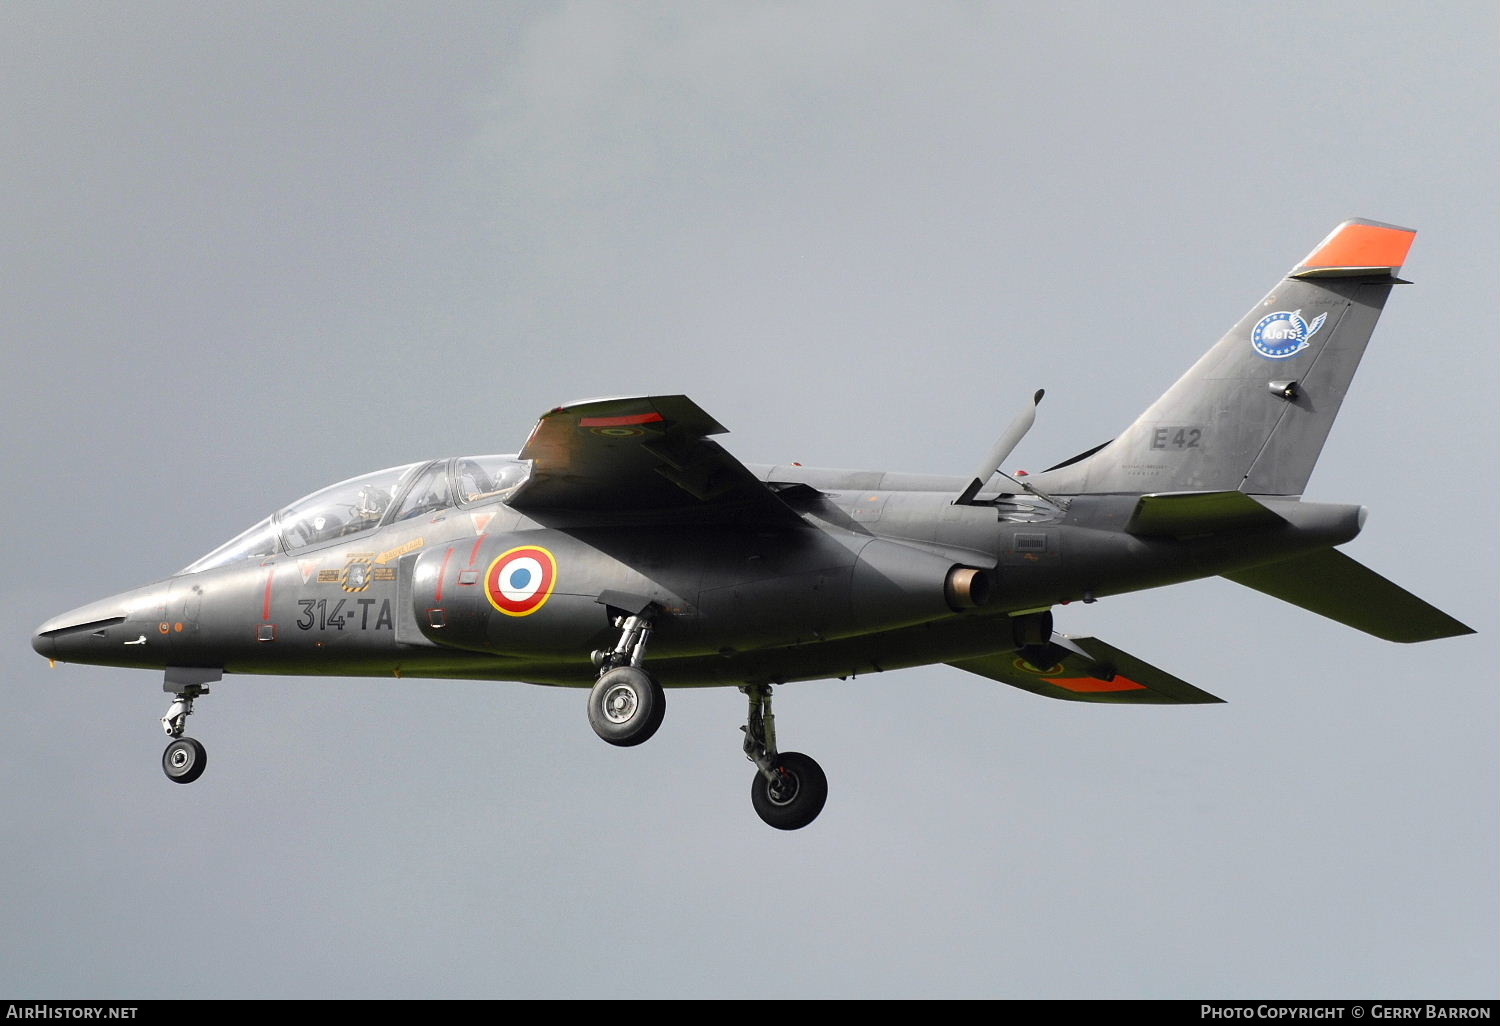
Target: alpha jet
{"x":623,"y":551}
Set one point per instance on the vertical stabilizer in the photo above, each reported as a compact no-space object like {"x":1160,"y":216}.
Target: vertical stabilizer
{"x":1253,"y":413}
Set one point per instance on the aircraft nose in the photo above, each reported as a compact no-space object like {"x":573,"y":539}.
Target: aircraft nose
{"x":93,"y":633}
{"x":66,"y":636}
{"x":43,"y":643}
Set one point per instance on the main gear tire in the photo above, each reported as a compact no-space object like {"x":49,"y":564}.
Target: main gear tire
{"x":626,"y":706}
{"x":795,"y":798}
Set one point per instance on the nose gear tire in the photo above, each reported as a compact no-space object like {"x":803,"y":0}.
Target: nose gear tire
{"x":184,"y":760}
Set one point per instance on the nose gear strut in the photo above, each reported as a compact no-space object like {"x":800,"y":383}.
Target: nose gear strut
{"x":175,"y":721}
{"x":789,"y":788}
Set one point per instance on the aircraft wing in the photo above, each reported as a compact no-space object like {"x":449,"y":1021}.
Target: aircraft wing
{"x":640,"y":454}
{"x":1088,"y":670}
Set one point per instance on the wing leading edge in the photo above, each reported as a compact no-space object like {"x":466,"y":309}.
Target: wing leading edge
{"x":639,"y":454}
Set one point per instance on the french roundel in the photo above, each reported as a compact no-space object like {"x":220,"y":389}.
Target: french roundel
{"x":519,"y":582}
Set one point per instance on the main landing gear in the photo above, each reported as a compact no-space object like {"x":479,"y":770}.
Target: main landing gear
{"x":789,"y":788}
{"x":185,"y":758}
{"x":626,"y":705}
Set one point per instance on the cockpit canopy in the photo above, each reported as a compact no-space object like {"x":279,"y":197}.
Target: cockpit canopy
{"x":369,"y":501}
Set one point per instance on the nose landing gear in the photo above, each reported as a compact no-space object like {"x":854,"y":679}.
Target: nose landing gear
{"x":185,"y":758}
{"x":789,"y":789}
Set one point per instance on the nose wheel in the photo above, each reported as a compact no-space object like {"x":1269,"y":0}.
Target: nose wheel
{"x":789,"y":789}
{"x":184,"y":760}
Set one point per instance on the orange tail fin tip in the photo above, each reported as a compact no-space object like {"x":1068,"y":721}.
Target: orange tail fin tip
{"x":1360,"y":245}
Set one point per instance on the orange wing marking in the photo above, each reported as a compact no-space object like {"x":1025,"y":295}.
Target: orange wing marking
{"x":1093,"y":684}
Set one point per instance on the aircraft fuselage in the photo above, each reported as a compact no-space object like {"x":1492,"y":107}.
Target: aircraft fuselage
{"x":860,"y":587}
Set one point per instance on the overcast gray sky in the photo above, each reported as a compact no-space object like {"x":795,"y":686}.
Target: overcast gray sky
{"x":251,"y":249}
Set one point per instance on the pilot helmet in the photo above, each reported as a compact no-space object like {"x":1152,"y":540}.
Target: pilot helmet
{"x":372,"y":502}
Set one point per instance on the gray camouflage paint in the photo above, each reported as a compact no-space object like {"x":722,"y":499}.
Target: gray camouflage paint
{"x":770,"y":574}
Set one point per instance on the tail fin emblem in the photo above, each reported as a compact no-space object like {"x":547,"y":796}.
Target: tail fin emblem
{"x":1284,"y":333}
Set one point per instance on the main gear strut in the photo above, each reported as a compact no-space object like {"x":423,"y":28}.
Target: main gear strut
{"x":630,"y":650}
{"x":789,"y":788}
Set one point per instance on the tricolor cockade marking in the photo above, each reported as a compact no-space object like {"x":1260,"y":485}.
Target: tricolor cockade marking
{"x":520,"y":581}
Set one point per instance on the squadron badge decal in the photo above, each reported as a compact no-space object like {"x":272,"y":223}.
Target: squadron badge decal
{"x":357,"y":573}
{"x":1284,"y":333}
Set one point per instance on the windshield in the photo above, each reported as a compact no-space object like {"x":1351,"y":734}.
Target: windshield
{"x":259,"y":541}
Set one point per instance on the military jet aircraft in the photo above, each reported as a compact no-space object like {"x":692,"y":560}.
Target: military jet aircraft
{"x":623,"y":551}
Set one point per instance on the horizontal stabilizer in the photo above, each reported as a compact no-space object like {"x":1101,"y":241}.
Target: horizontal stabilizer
{"x":1329,"y":583}
{"x":1087,"y":670}
{"x":1179,"y":514}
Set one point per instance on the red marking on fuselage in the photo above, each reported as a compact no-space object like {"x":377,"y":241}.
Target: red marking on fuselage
{"x":265,"y":613}
{"x":474,"y":552}
{"x":639,"y":418}
{"x":443,"y":572}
